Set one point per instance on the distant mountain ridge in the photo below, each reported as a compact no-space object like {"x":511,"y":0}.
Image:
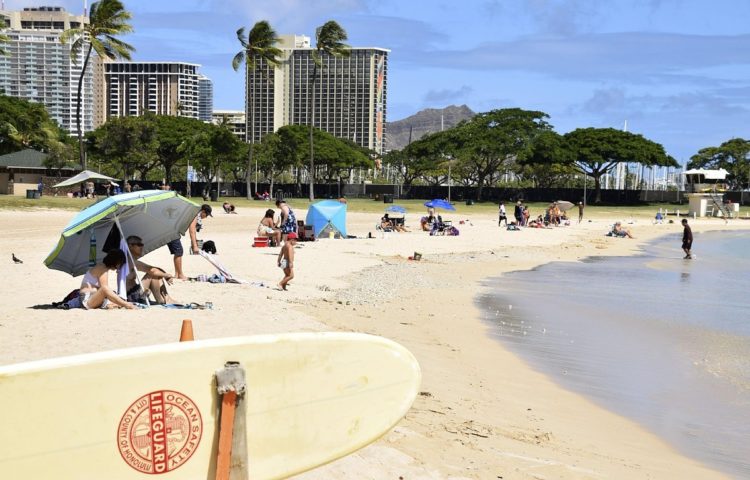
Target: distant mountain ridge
{"x":424,"y":122}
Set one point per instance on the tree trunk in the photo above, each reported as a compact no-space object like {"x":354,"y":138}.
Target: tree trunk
{"x":271,"y":182}
{"x":598,"y":187}
{"x":312,"y":126}
{"x":249,"y":126}
{"x":81,"y":151}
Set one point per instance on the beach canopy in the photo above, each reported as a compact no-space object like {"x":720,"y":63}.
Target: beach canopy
{"x":84,"y":176}
{"x":326,"y":217}
{"x":395,"y":209}
{"x":439,"y":203}
{"x":157,"y":216}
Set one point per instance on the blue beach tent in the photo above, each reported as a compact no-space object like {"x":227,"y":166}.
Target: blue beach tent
{"x":327,"y":216}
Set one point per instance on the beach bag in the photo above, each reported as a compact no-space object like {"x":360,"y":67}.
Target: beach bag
{"x":71,"y":300}
{"x":209,"y":247}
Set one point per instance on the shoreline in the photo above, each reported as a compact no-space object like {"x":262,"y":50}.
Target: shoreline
{"x":483,"y":412}
{"x":518,"y":441}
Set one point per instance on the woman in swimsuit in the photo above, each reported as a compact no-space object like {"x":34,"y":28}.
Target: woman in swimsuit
{"x":95,"y":291}
{"x":267,"y":228}
{"x":288,"y":222}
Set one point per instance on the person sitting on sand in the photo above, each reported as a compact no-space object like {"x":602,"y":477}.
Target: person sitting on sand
{"x":398,"y":224}
{"x":267,"y":228}
{"x":538,"y":222}
{"x":619,"y":231}
{"x":228,"y":208}
{"x":386,"y":224}
{"x":153,"y":281}
{"x":95,"y":291}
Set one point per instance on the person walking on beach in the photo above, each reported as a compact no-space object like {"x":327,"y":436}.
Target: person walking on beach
{"x":503,"y":216}
{"x":286,"y":259}
{"x":580,"y":211}
{"x":687,"y":239}
{"x":175,"y":246}
{"x":518,"y":213}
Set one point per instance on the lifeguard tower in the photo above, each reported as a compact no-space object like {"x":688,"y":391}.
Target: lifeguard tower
{"x":704,"y":190}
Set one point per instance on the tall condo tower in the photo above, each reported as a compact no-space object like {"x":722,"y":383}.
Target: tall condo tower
{"x":205,"y":98}
{"x":163,"y":88}
{"x":39,"y":67}
{"x":350,"y":93}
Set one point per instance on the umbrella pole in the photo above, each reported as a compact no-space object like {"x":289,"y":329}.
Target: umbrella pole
{"x":132,"y":261}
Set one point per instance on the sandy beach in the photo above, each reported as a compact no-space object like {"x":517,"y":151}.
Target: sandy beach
{"x":482,"y":414}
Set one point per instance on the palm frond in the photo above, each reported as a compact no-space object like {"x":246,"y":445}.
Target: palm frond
{"x":238,"y":59}
{"x":330,"y":39}
{"x":4,"y":39}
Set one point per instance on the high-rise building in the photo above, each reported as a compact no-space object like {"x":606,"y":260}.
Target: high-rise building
{"x":39,"y":67}
{"x":350,"y":93}
{"x":163,"y":88}
{"x":232,"y":119}
{"x":205,"y":98}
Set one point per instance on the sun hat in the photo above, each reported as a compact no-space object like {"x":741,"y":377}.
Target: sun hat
{"x":291,"y":236}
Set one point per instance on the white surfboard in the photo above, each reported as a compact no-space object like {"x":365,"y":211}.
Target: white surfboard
{"x":135,"y":413}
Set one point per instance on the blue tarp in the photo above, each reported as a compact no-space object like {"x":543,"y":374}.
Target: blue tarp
{"x":327,"y":216}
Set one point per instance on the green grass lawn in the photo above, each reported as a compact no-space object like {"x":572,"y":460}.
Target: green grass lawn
{"x":417,"y":207}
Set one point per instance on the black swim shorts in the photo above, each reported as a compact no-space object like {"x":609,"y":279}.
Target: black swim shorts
{"x":175,"y":247}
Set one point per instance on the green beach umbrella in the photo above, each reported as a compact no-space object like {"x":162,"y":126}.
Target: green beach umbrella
{"x":156,"y":216}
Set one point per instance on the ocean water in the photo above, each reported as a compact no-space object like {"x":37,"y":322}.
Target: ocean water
{"x":661,"y":340}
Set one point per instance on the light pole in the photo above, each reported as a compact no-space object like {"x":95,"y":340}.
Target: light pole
{"x":450,"y":180}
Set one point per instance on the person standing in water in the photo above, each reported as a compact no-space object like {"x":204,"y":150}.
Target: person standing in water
{"x":687,"y":239}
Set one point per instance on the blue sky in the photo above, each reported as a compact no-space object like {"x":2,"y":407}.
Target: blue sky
{"x":678,"y":71}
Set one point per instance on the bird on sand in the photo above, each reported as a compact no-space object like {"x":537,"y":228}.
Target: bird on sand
{"x":16,"y":259}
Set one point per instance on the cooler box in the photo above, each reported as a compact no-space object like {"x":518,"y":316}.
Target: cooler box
{"x":260,"y":242}
{"x":308,"y":233}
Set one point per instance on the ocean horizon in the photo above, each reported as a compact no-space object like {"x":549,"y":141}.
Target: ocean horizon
{"x":658,"y":339}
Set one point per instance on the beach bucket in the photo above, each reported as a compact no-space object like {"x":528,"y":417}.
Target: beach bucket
{"x":417,"y":256}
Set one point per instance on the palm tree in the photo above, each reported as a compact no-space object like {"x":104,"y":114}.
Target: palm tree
{"x":329,"y":40}
{"x":258,"y":49}
{"x":107,"y":19}
{"x":3,"y":40}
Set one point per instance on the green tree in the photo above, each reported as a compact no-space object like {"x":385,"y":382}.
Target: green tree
{"x":107,"y":20}
{"x":420,"y":159}
{"x":596,"y":151}
{"x":732,"y":155}
{"x":329,"y":42}
{"x":493,"y":140}
{"x":125,"y":145}
{"x":171,"y":132}
{"x":258,"y":51}
{"x":25,"y":124}
{"x":60,"y":155}
{"x":549,"y":162}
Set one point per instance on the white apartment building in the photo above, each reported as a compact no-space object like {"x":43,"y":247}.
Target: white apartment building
{"x":350,"y":93}
{"x":39,"y":68}
{"x":163,"y":88}
{"x":232,"y":119}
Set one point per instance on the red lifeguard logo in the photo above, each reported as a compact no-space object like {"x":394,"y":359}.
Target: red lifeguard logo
{"x":159,"y":432}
